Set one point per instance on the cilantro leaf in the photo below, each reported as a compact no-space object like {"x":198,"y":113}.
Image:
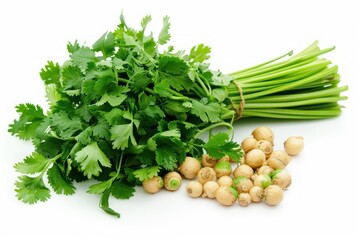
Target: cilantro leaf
{"x":113,"y":99}
{"x":65,"y":126}
{"x":32,"y":164}
{"x":146,"y":172}
{"x":172,"y":65}
{"x":89,"y":158}
{"x":72,"y":77}
{"x":207,"y":112}
{"x":164,"y":35}
{"x":219,"y":145}
{"x":101,"y":129}
{"x":101,"y":187}
{"x":105,"y":44}
{"x":219,"y":79}
{"x":85,"y":136}
{"x":141,"y":81}
{"x":59,"y":182}
{"x":82,"y":57}
{"x":120,"y":135}
{"x":115,"y":116}
{"x":175,"y":70}
{"x":73,"y":47}
{"x":166,"y":157}
{"x":52,"y":95}
{"x":104,"y":204}
{"x":31,"y":189}
{"x":50,"y":74}
{"x":220,"y":94}
{"x":30,"y":118}
{"x":199,"y":53}
{"x":122,"y":190}
{"x":144,"y":22}
{"x":168,"y":148}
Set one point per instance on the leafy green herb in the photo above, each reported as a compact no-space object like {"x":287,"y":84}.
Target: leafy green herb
{"x":122,"y":111}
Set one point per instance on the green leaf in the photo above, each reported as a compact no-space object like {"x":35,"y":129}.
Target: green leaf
{"x":119,"y":64}
{"x":219,"y":79}
{"x":120,"y":135}
{"x":146,"y":172}
{"x":31,"y":189}
{"x":101,"y":187}
{"x":162,"y":89}
{"x":104,"y":204}
{"x":173,"y":65}
{"x":32,"y":164}
{"x":145,"y":21}
{"x":105,"y":44}
{"x":59,"y":182}
{"x":113,"y":99}
{"x":206,"y":112}
{"x":168,"y":147}
{"x":89,"y":158}
{"x":50,"y":74}
{"x":114,"y":117}
{"x":73,"y":47}
{"x":104,"y":84}
{"x":72,"y":77}
{"x":52,"y":95}
{"x":219,"y":146}
{"x":85,"y":136}
{"x":164,"y":35}
{"x":65,"y":126}
{"x":102,"y":129}
{"x":30,"y":118}
{"x":122,"y":190}
{"x":140,"y":81}
{"x":82,"y":57}
{"x":200,"y":53}
{"x":166,"y":157}
{"x":219,"y":94}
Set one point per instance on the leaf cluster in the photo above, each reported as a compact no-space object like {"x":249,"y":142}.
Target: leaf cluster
{"x":120,"y":111}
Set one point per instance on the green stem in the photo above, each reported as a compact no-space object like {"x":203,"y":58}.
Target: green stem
{"x":215,"y":125}
{"x":51,"y":161}
{"x":203,"y":87}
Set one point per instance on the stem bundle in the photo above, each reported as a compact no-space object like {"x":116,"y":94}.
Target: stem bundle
{"x":302,"y":86}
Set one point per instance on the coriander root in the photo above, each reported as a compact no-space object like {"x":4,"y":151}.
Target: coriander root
{"x":153,"y":185}
{"x":194,"y":189}
{"x":281,"y":178}
{"x":273,"y":195}
{"x":255,"y":158}
{"x":210,"y":189}
{"x":294,"y":145}
{"x":206,"y":174}
{"x":208,"y":161}
{"x":264,"y":133}
{"x":226,"y":196}
{"x":244,"y":199}
{"x":225,"y":181}
{"x":243,"y":170}
{"x":190,"y":167}
{"x":256,"y":194}
{"x":223,"y":168}
{"x":242,"y":184}
{"x":172,"y":181}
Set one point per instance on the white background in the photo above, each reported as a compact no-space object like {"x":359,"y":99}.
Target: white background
{"x":324,"y":197}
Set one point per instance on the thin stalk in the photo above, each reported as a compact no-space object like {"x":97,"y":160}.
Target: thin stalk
{"x":300,"y":96}
{"x":295,"y":103}
{"x":293,"y":84}
{"x":280,"y":73}
{"x":263,"y":64}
